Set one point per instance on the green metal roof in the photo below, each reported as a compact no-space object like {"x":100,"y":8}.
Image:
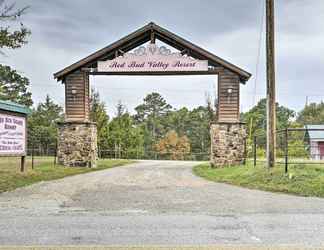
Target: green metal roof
{"x":14,"y":107}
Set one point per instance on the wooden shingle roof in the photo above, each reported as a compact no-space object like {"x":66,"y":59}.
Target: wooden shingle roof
{"x":144,"y":35}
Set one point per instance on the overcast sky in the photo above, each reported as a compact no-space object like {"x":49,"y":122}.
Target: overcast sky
{"x":64,"y":31}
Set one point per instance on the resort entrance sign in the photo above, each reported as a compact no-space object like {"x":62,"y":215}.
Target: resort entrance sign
{"x":13,"y":130}
{"x":12,"y":135}
{"x":138,"y":54}
{"x":152,"y":58}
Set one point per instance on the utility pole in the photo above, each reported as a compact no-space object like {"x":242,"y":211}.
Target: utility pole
{"x":271,"y":85}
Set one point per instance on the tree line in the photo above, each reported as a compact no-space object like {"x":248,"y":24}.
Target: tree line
{"x":155,"y":130}
{"x":255,"y":119}
{"x":158,"y":131}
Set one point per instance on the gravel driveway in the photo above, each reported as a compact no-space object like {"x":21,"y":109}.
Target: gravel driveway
{"x":155,"y":202}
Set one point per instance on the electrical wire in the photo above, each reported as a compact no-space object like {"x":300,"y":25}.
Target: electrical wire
{"x":259,"y":50}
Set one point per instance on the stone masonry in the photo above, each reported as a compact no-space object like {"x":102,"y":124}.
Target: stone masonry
{"x":227,"y":144}
{"x":77,"y":144}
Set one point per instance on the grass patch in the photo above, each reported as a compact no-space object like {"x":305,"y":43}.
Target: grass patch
{"x":304,"y":180}
{"x":44,"y":170}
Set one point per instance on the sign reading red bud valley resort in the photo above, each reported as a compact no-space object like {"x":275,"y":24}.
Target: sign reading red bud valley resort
{"x":152,"y":59}
{"x":12,"y":135}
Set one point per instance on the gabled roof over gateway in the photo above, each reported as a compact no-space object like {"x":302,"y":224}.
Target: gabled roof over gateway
{"x":143,"y":35}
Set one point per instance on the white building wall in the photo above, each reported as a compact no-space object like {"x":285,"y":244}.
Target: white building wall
{"x":314,"y":150}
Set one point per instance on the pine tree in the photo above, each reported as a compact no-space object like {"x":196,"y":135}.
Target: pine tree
{"x":42,"y":125}
{"x":98,"y":114}
{"x":149,"y":115}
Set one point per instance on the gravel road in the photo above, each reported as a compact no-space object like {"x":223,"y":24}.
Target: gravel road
{"x":159,"y":203}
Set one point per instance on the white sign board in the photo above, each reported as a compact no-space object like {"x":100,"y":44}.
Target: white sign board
{"x":12,"y":135}
{"x":152,"y":59}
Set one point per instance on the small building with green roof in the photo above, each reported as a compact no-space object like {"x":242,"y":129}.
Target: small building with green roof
{"x":13,"y":107}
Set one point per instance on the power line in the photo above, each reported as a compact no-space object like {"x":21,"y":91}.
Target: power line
{"x":259,"y":49}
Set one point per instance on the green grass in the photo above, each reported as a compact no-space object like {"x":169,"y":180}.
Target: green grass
{"x":304,"y":180}
{"x":44,"y":170}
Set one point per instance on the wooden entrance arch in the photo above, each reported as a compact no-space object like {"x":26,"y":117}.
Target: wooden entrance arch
{"x":73,"y":132}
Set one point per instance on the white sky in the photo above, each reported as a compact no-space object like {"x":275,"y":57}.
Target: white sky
{"x":66,"y":31}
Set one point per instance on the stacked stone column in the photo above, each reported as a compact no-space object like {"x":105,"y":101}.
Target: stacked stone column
{"x":77,"y":144}
{"x":228,"y":144}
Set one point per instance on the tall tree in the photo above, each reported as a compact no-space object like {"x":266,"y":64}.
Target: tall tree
{"x":42,"y":125}
{"x":149,"y":115}
{"x":154,"y":105}
{"x":124,"y":137}
{"x":258,"y":117}
{"x":98,"y":114}
{"x":211,"y":107}
{"x":312,"y":114}
{"x":199,"y":133}
{"x":177,"y":120}
{"x":120,"y":109}
{"x":13,"y":86}
{"x":194,"y":124}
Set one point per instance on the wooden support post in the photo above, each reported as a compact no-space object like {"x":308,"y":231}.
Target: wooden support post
{"x":271,"y":87}
{"x":245,"y":151}
{"x":22,"y":164}
{"x":55,"y":153}
{"x":32,"y":155}
{"x":152,"y":37}
{"x":286,"y":150}
{"x":254,"y":150}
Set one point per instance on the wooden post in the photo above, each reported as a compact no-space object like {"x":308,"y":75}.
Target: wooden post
{"x":32,"y":155}
{"x":245,"y":151}
{"x":286,"y":150}
{"x":152,"y":36}
{"x":22,"y":164}
{"x":271,"y":87}
{"x":55,"y":153}
{"x":254,"y":150}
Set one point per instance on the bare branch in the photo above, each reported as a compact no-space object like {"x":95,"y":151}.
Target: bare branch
{"x":8,"y":12}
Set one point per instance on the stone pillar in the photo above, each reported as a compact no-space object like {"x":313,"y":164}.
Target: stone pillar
{"x":77,"y":144}
{"x":227,"y":144}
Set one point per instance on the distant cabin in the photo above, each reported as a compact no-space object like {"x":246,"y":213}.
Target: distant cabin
{"x":315,"y":139}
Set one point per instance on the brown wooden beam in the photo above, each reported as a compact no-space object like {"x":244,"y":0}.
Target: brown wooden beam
{"x":152,"y":36}
{"x":156,"y":73}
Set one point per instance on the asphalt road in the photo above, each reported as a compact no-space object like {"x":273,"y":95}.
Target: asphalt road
{"x":155,"y":203}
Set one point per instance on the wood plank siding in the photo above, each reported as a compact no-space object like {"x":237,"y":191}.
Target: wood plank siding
{"x":77,"y":105}
{"x":228,"y":103}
